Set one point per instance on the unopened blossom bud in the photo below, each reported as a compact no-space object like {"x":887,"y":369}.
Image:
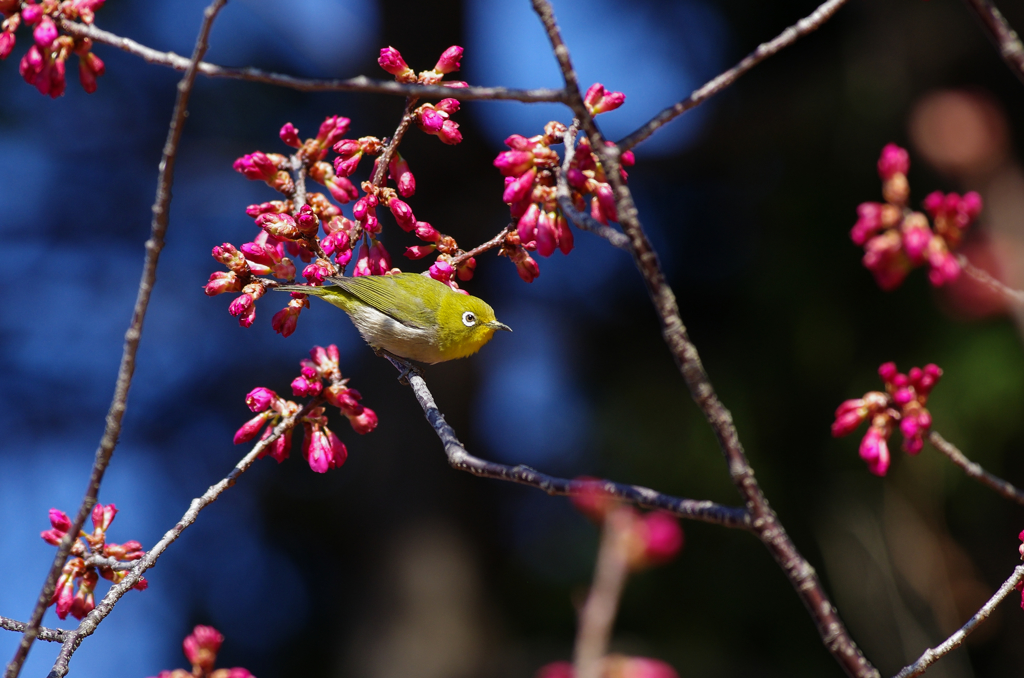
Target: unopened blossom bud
{"x":379,"y":259}
{"x":441,"y":270}
{"x":102,"y":516}
{"x":391,"y":61}
{"x":526,"y":266}
{"x":944,"y":266}
{"x":257,"y":166}
{"x":526,"y":227}
{"x":430,"y":120}
{"x":466,"y":269}
{"x":874,"y":449}
{"x":285,"y":320}
{"x":60,"y":524}
{"x":260,"y":398}
{"x":363,"y":207}
{"x":662,"y":537}
{"x":90,"y":67}
{"x":279,"y":225}
{"x":426,"y":232}
{"x":290,"y":136}
{"x":318,"y":271}
{"x":884,"y":257}
{"x":565,"y":237}
{"x":307,"y":222}
{"x":449,"y":60}
{"x":447,"y":106}
{"x":45,"y":32}
{"x":849,"y":416}
{"x":230,"y":257}
{"x":202,"y":646}
{"x":64,"y":594}
{"x":31,"y":12}
{"x":893,"y":160}
{"x":221,"y":282}
{"x":303,"y":387}
{"x":7,"y":41}
{"x":345,"y":167}
{"x":606,"y":199}
{"x":338,"y":241}
{"x":419,"y":251}
{"x":514,"y":163}
{"x":404,"y":217}
{"x":916,"y":236}
{"x":362,"y":262}
{"x":627,"y":159}
{"x":599,"y":100}
{"x":449,"y":133}
{"x":83,"y":603}
{"x":547,"y":234}
{"x":399,"y":172}
{"x":520,"y":187}
{"x":364,"y":422}
{"x":322,"y":449}
{"x":275,"y":206}
{"x":331,"y":130}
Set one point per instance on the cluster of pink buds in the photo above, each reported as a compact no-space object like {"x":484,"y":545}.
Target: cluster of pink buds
{"x":321,"y":448}
{"x":201,"y":648}
{"x":615,"y":666}
{"x":903,"y":402}
{"x":80,"y":570}
{"x":431,"y":118}
{"x":43,"y":63}
{"x":531,"y":172}
{"x":896,"y":240}
{"x":648,"y":539}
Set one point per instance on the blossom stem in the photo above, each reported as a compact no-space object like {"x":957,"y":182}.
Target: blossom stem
{"x":983,"y":277}
{"x":954,"y":641}
{"x":131,"y":341}
{"x":1010,"y":46}
{"x":480,"y":249}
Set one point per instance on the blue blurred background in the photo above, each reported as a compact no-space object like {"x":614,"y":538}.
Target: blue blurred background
{"x":396,"y":565}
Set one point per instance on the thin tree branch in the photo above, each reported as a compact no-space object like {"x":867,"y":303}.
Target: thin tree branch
{"x":460,"y":458}
{"x":597,"y":616}
{"x":72,"y":639}
{"x":480,"y":249}
{"x":358,"y":84}
{"x":381,"y":171}
{"x":808,"y":24}
{"x":766,"y":524}
{"x":983,"y":277}
{"x":131,"y":340}
{"x":582,"y":220}
{"x":974,"y":470}
{"x":954,"y":641}
{"x":1002,"y":34}
{"x":43,"y":633}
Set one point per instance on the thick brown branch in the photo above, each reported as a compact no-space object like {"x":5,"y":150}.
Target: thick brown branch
{"x":983,"y":277}
{"x":131,"y":339}
{"x":460,"y":458}
{"x":784,"y":39}
{"x":954,"y":641}
{"x":358,"y":84}
{"x":1002,"y":34}
{"x":974,"y":470}
{"x":766,"y":524}
{"x":43,"y":633}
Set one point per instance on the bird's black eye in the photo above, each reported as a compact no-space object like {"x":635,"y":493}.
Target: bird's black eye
{"x":469,"y":318}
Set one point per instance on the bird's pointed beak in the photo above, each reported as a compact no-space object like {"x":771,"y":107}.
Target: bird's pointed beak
{"x":495,"y":325}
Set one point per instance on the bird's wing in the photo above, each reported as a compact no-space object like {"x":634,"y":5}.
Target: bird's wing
{"x":399,"y":297}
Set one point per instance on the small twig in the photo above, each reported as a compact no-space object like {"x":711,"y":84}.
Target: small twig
{"x":460,"y":458}
{"x":769,"y":529}
{"x":381,"y":173}
{"x":1002,"y":34}
{"x":597,"y":616}
{"x":358,"y":84}
{"x":974,"y":470}
{"x":954,"y":641}
{"x":74,"y":638}
{"x":784,"y":39}
{"x":480,"y":249}
{"x":582,"y":220}
{"x":131,"y":340}
{"x":983,"y":277}
{"x":43,"y":633}
{"x":109,"y":563}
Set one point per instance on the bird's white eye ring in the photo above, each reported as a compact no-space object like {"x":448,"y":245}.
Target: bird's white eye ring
{"x":469,"y":318}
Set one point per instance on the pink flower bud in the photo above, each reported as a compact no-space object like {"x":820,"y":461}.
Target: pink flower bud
{"x":202,"y":646}
{"x":403,"y":214}
{"x":364,"y":422}
{"x":280,"y":448}
{"x":31,"y":13}
{"x":322,"y":449}
{"x":447,"y":106}
{"x":884,"y":257}
{"x":399,"y":172}
{"x":391,"y":61}
{"x":606,"y":199}
{"x":450,"y":133}
{"x":285,"y":320}
{"x":849,"y":415}
{"x":63,"y":595}
{"x":419,"y":251}
{"x":60,"y":523}
{"x":290,"y":136}
{"x":875,"y":451}
{"x":514,"y":163}
{"x":599,"y":100}
{"x":663,"y":537}
{"x":331,"y":130}
{"x":7,"y":41}
{"x":449,"y":60}
{"x":318,"y":271}
{"x":303,"y":387}
{"x":430,"y":120}
{"x":250,"y":428}
{"x":307,"y":222}
{"x":380,"y":260}
{"x":221,"y":282}
{"x":426,"y":232}
{"x":547,"y":235}
{"x":362,"y":262}
{"x":627,"y":159}
{"x":527,"y":268}
{"x":281,"y":226}
{"x":45,"y":32}
{"x":893,"y":160}
{"x":520,"y":187}
{"x":565,"y":237}
{"x":345,"y":167}
{"x":526,"y":227}
{"x":441,"y":270}
{"x":466,"y":269}
{"x":102,"y":516}
{"x":944,"y":268}
{"x":260,"y":398}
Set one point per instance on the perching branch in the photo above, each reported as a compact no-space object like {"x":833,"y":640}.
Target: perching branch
{"x":974,"y":470}
{"x":42,"y":633}
{"x":72,"y":639}
{"x":131,"y":340}
{"x":460,"y":458}
{"x":808,"y":24}
{"x":381,"y":172}
{"x":357,"y":84}
{"x":1002,"y":34}
{"x":483,"y":247}
{"x":954,"y":641}
{"x":766,"y":524}
{"x":983,"y":277}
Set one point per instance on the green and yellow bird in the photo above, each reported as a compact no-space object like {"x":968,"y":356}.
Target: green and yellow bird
{"x":410,"y":315}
